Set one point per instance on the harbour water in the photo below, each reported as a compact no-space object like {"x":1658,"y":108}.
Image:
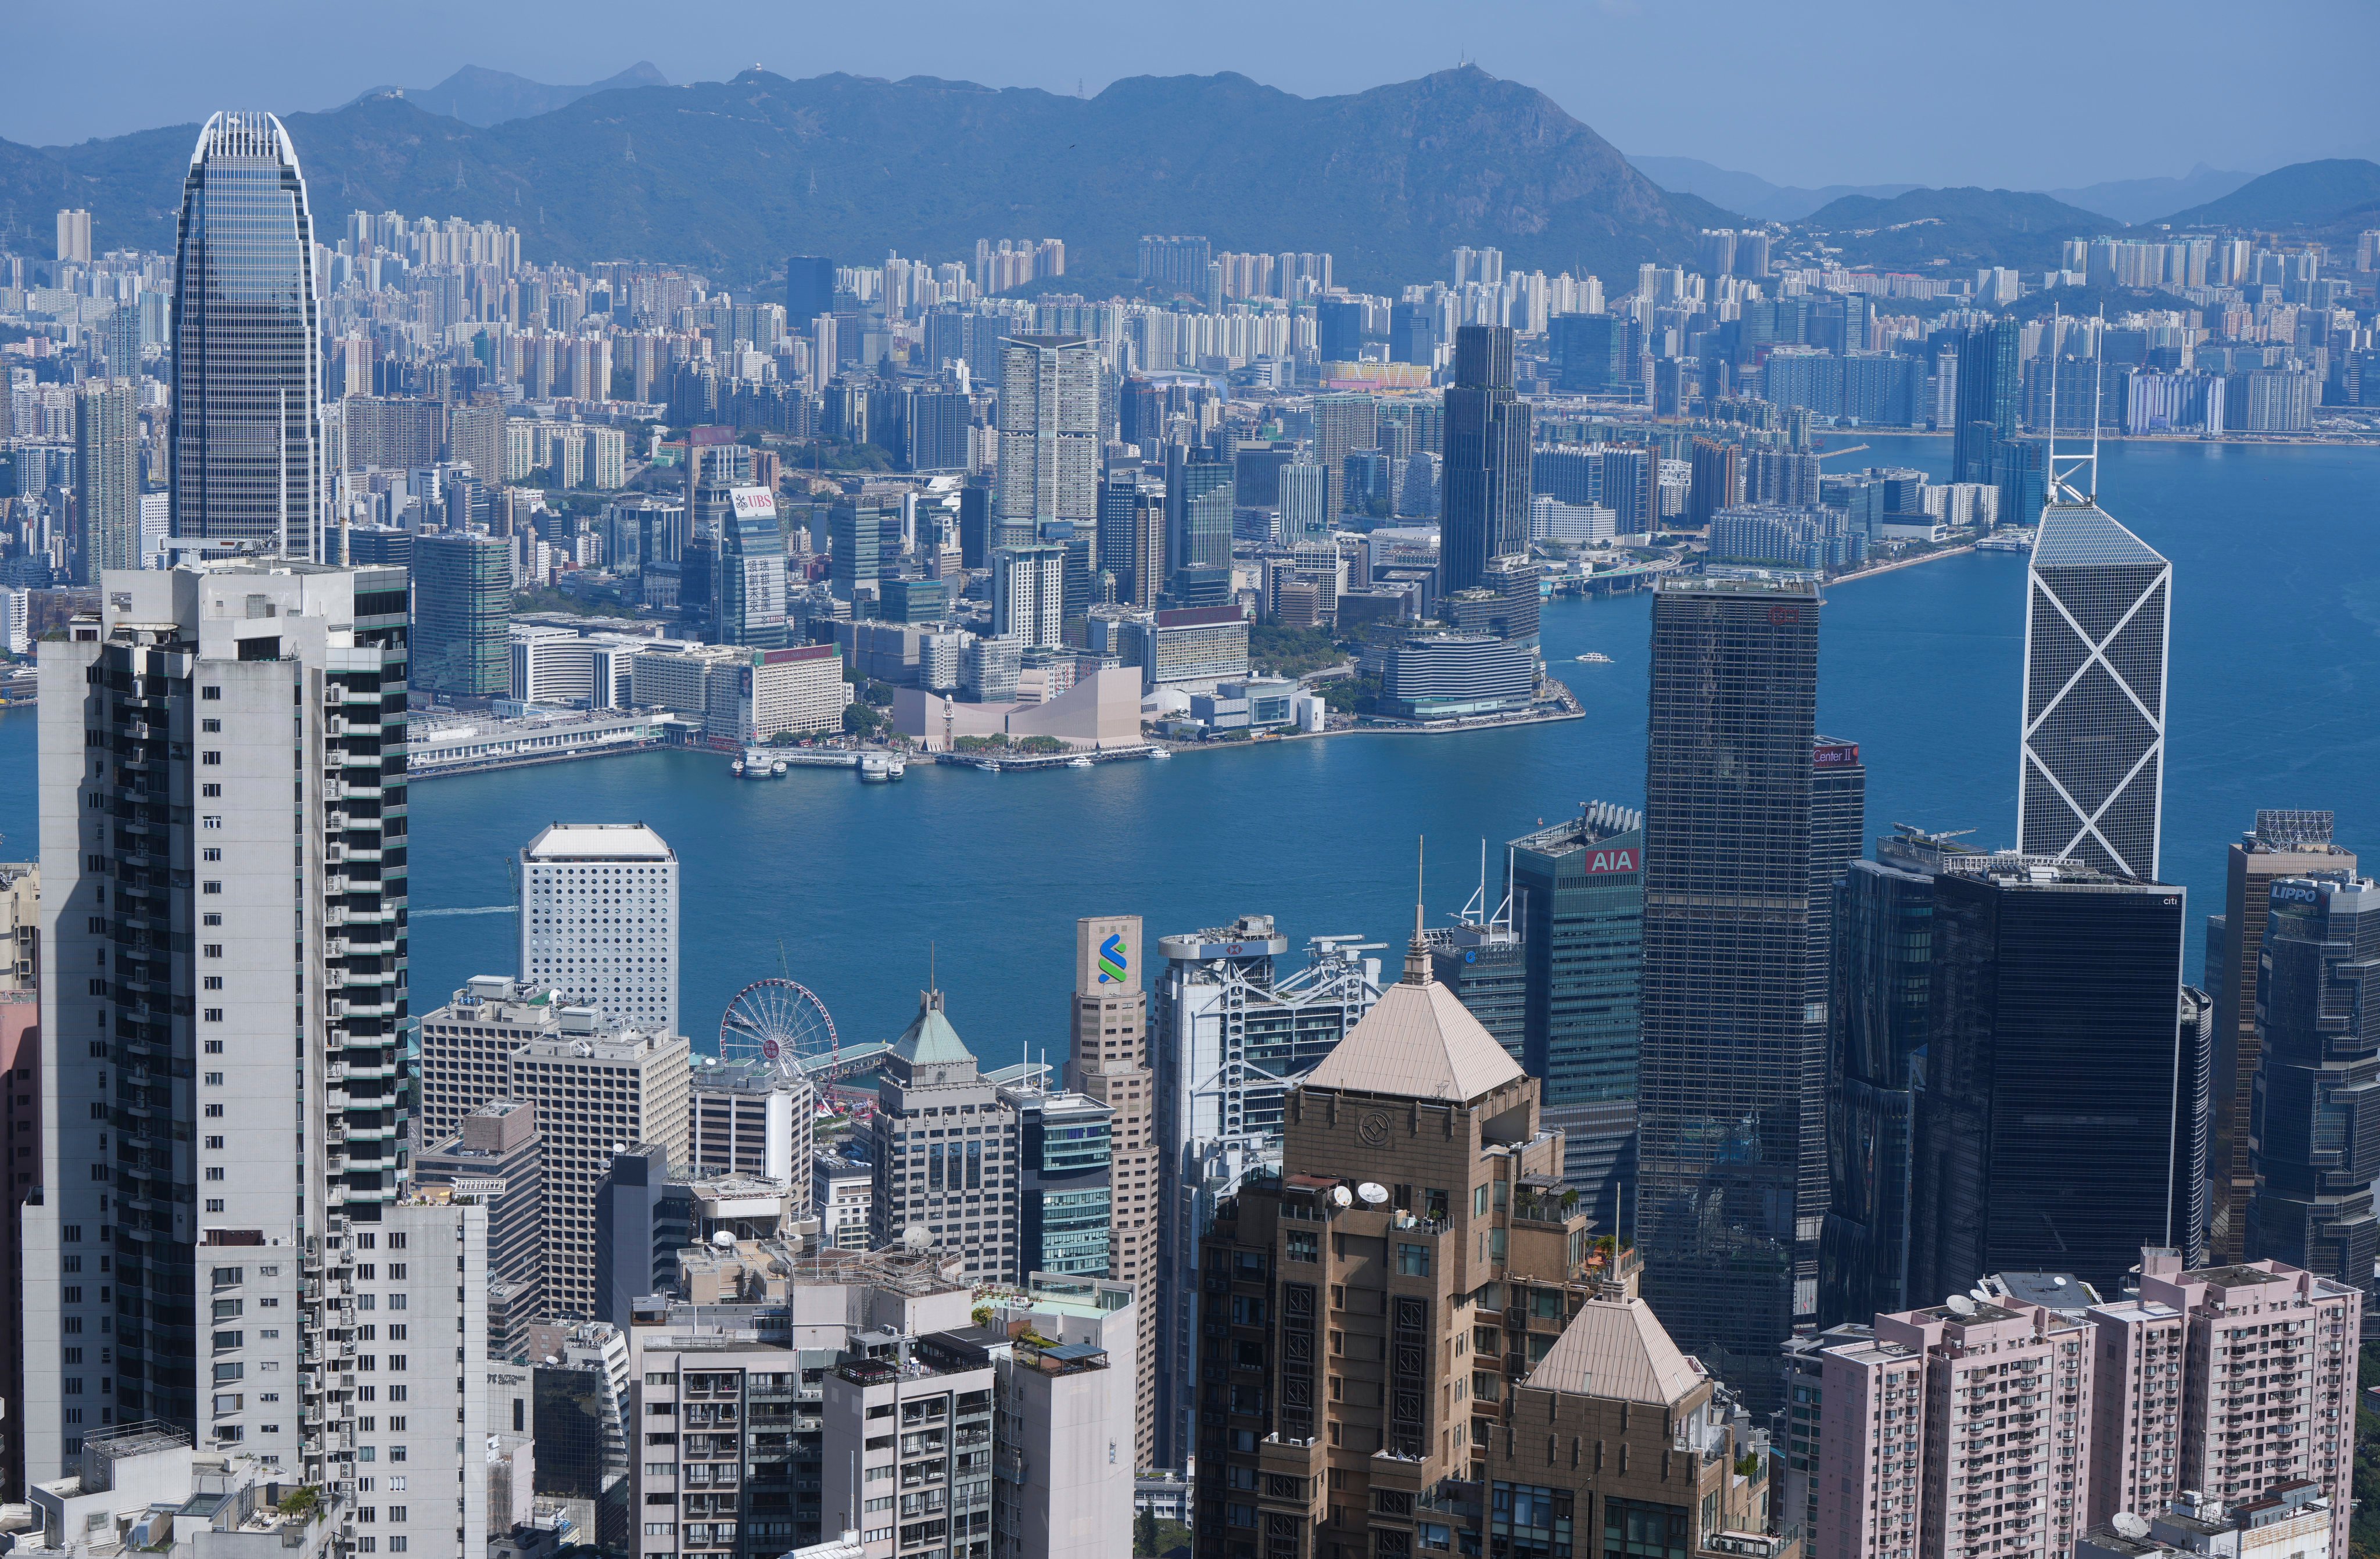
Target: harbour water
{"x":2275,"y":703}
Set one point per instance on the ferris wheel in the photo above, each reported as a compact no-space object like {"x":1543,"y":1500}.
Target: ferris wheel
{"x":778,"y":1023}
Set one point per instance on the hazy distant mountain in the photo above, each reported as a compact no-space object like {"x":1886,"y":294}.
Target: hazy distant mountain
{"x":1961,"y":228}
{"x":2138,"y":199}
{"x":734,"y":176}
{"x":483,"y":97}
{"x":1748,"y":192}
{"x":2337,"y":192}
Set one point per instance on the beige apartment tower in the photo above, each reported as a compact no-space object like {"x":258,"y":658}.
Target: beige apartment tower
{"x":1110,"y":1063}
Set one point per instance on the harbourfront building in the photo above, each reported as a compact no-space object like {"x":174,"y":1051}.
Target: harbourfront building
{"x":1233,"y":1031}
{"x":1731,"y":1140}
{"x":2097,"y":612}
{"x":245,"y":459}
{"x":599,"y":919}
{"x":1577,"y":890}
{"x":462,"y":615}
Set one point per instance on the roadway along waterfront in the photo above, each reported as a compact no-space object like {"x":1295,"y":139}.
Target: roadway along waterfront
{"x":2276,"y":702}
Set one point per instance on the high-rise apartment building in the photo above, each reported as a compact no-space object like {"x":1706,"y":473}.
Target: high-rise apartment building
{"x":462,"y":612}
{"x":1050,"y":439}
{"x":1413,"y":1173}
{"x":2006,"y":1421}
{"x":598,"y":1086}
{"x":944,"y":1149}
{"x":1731,"y":1149}
{"x":74,"y":237}
{"x":2098,"y":604}
{"x":1343,"y":424}
{"x":107,"y":479}
{"x":1109,"y":1063}
{"x":1578,"y":904}
{"x":245,"y":459}
{"x":599,"y":919}
{"x":1717,"y":481}
{"x":2031,"y":1146}
{"x":243,"y":729}
{"x":2318,"y":1055}
{"x":1487,"y":468}
{"x":20,"y":1133}
{"x":2283,"y":843}
{"x":1233,"y":1032}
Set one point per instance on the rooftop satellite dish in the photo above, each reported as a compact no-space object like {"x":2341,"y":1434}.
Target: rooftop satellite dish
{"x":722,"y":1239}
{"x":1341,"y":1196}
{"x":1373,"y":1193}
{"x":917,"y":1236}
{"x":2059,"y":1282}
{"x":1960,"y":1305}
{"x":2131,"y":1525}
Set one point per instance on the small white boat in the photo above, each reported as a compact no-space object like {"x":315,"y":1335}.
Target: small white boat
{"x":1596,"y":657}
{"x":1078,"y":763}
{"x":737,"y":768}
{"x":1158,"y":752}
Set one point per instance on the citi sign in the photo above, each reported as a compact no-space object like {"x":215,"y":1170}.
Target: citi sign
{"x":1613,"y":860}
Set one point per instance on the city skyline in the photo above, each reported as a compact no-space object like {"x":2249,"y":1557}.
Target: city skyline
{"x":174,"y":58}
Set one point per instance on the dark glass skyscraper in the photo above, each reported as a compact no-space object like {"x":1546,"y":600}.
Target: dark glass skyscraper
{"x":2316,"y":1155}
{"x":1990,"y":385}
{"x":462,"y":615}
{"x":1198,"y":498}
{"x":1733,"y":1157}
{"x":809,"y":290}
{"x":246,"y":465}
{"x":2097,"y":603}
{"x":1578,"y":904}
{"x":2052,"y":1126}
{"x":1876,"y":1012}
{"x":1487,"y":468}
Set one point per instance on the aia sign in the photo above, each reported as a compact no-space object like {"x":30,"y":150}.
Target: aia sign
{"x":1613,"y":860}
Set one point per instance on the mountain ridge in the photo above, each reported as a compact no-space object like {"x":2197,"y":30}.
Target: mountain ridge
{"x":486,"y":98}
{"x":733,"y":175}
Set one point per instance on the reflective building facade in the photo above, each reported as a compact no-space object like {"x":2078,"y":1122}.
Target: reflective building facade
{"x":1486,"y":470}
{"x":2317,"y":1152}
{"x":1732,"y":1151}
{"x":246,"y":464}
{"x":2097,"y":603}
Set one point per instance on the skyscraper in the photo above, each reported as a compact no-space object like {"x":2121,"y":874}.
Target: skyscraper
{"x":809,"y":290}
{"x":245,"y":461}
{"x":751,"y":572}
{"x":2054,"y":1115}
{"x":2097,"y":609}
{"x":1029,"y":593}
{"x":944,"y":1149}
{"x":1990,"y":386}
{"x":1049,"y":441}
{"x":1877,"y":1007}
{"x":1199,"y":500}
{"x":599,"y":919}
{"x":1342,"y":423}
{"x":107,"y":478}
{"x":2319,"y":1058}
{"x":462,"y":614}
{"x":1578,"y":904}
{"x":2283,"y":843}
{"x":1731,"y":1156}
{"x":214,"y":954}
{"x":1487,"y":468}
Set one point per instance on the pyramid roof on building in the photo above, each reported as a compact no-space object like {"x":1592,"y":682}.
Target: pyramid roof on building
{"x":2086,"y":536}
{"x":1616,"y":1350}
{"x":929,"y":1040}
{"x":1418,"y":1042}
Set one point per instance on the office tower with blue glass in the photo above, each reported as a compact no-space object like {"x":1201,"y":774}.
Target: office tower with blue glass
{"x":1487,"y":468}
{"x":1577,"y":894}
{"x":2098,"y":601}
{"x":245,"y":460}
{"x":1064,"y":1208}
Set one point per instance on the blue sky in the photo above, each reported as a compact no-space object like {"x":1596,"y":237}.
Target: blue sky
{"x":2027,"y":94}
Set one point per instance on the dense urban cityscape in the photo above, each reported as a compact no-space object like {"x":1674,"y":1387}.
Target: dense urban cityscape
{"x":1741,"y":1173}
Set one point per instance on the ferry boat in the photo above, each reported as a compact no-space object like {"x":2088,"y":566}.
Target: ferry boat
{"x":1078,"y":763}
{"x":1596,"y":657}
{"x":880,"y":768}
{"x":1158,"y":752}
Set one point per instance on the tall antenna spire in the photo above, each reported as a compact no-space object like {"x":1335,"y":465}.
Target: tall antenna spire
{"x":1417,"y":955}
{"x":2098,"y":392}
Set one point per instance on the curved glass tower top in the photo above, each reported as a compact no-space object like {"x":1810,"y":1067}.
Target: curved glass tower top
{"x":246,"y":461}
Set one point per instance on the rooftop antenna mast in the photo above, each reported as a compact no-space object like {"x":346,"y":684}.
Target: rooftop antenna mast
{"x":2062,"y":469}
{"x":1475,"y":911}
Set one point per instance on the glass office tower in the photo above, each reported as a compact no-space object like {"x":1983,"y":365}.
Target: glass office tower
{"x":246,"y":464}
{"x":1733,"y":1149}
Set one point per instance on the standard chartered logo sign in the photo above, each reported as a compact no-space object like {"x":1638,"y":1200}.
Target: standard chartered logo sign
{"x":1112,"y":960}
